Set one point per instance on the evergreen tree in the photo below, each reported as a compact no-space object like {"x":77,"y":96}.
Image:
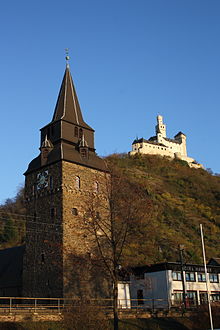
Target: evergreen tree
{"x":10,"y":231}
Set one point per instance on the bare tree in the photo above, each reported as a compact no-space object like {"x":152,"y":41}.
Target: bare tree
{"x":111,"y":218}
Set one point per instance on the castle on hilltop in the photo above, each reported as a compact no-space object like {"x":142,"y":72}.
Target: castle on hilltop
{"x":163,"y":146}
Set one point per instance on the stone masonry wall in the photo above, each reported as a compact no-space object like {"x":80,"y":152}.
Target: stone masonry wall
{"x":81,"y":276}
{"x":42,"y":273}
{"x":61,"y":255}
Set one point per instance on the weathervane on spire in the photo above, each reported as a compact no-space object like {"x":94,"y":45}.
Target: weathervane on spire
{"x":67,"y":56}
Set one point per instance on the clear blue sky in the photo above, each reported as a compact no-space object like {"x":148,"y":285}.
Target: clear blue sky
{"x":130,"y":60}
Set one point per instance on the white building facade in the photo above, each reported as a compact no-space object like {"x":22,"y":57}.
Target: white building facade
{"x":163,"y":146}
{"x":161,"y":285}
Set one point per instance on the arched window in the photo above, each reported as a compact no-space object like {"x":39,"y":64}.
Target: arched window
{"x":80,"y":133}
{"x":76,"y":131}
{"x":53,"y":212}
{"x":77,"y":182}
{"x":74,"y":211}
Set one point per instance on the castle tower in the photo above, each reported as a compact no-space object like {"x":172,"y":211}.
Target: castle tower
{"x":160,"y":127}
{"x":58,"y":185}
{"x":181,"y":138}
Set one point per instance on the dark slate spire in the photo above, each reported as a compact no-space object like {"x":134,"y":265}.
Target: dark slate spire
{"x":67,"y":125}
{"x":67,"y":137}
{"x":67,"y":107}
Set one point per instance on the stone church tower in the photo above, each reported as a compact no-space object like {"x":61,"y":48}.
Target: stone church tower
{"x":59,"y":183}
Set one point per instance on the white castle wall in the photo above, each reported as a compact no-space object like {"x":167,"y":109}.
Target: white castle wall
{"x":160,"y":145}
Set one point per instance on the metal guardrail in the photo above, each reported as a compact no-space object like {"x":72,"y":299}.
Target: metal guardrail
{"x":58,"y":305}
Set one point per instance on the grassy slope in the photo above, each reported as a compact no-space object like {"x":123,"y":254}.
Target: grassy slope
{"x":181,"y":198}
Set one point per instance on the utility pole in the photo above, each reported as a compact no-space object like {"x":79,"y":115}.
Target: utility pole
{"x":181,"y":250}
{"x":206,"y":276}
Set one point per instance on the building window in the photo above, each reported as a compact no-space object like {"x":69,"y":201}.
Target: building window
{"x":190,"y":277}
{"x":191,"y":297}
{"x":201,"y":277}
{"x":35,"y":216}
{"x":52,"y":212}
{"x":176,"y":276}
{"x":76,"y":131}
{"x":213,"y":278}
{"x":215,"y":296}
{"x":74,"y":211}
{"x":80,"y":133}
{"x":177,"y":297}
{"x":84,"y":152}
{"x":140,"y":297}
{"x":42,"y":258}
{"x":77,"y":182}
{"x":203,"y":297}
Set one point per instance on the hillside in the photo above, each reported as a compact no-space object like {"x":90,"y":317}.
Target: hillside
{"x":12,"y":221}
{"x":179,"y":199}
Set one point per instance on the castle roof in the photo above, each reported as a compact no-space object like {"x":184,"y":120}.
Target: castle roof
{"x":148,"y":141}
{"x":153,"y":140}
{"x":180,"y":133}
{"x":172,"y":140}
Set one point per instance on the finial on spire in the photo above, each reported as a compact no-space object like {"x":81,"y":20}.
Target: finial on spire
{"x":67,"y":56}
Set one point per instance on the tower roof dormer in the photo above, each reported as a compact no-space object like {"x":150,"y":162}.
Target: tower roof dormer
{"x":46,"y":143}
